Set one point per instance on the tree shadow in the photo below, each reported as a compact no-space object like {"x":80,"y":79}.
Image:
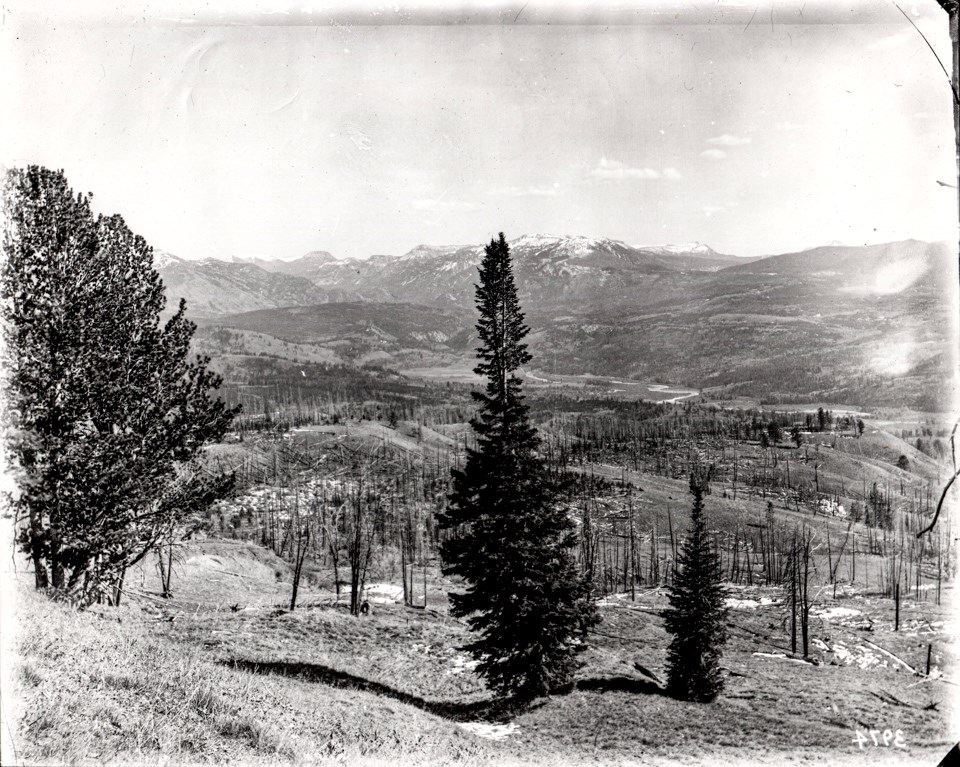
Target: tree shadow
{"x":630,"y":684}
{"x":501,"y":709}
{"x":488,"y":710}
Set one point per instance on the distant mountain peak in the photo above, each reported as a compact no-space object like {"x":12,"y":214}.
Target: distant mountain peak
{"x":162,"y":259}
{"x":318,"y":256}
{"x":427,"y":251}
{"x":576,"y":245}
{"x":526,"y":240}
{"x":690,"y":248}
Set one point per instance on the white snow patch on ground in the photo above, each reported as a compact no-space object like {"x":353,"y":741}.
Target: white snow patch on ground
{"x":835,"y":613}
{"x":490,"y":731}
{"x":860,"y":656}
{"x":461,"y":663}
{"x":611,"y":600}
{"x":384,"y":593}
{"x":734,"y":603}
{"x":742,"y":604}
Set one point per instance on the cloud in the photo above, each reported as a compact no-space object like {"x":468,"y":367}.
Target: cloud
{"x":611,"y":170}
{"x":527,"y":191}
{"x":728,"y":139}
{"x":713,"y":154}
{"x":444,"y":206}
{"x":709,"y":210}
{"x":787,"y":125}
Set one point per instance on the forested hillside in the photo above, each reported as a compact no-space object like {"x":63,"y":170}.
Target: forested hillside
{"x":861,"y":326}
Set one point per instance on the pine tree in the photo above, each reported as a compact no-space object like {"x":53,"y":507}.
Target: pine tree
{"x":697,"y":616}
{"x":774,"y":432}
{"x":508,"y":536}
{"x":107,"y":414}
{"x":796,"y":436}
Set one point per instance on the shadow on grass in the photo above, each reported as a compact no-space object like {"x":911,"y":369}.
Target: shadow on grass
{"x":489,"y":710}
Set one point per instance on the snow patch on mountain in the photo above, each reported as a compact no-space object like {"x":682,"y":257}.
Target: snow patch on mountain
{"x":536,"y":241}
{"x":318,"y":257}
{"x":427,"y":251}
{"x":570,"y":246}
{"x":162,"y":259}
{"x":691,"y":248}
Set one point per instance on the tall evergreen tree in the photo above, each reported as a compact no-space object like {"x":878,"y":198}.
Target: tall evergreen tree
{"x":107,"y":414}
{"x":697,"y":616}
{"x":508,"y":536}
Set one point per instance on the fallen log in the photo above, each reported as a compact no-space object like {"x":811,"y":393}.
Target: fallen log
{"x":889,"y":654}
{"x":731,"y":672}
{"x":647,"y":673}
{"x":889,"y":699}
{"x":788,"y":656}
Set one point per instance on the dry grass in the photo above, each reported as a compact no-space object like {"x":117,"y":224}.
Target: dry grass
{"x":265,"y":686}
{"x":92,"y":690}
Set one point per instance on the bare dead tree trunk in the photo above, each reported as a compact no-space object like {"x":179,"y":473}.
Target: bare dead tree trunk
{"x":793,"y":596}
{"x":118,"y":587}
{"x":403,"y":570}
{"x":303,"y":543}
{"x":805,"y":604}
{"x":896,"y":606}
{"x":359,"y":548}
{"x":41,"y":580}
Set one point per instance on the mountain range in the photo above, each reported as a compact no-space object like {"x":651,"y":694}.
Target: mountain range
{"x":845,"y":322}
{"x":551,"y":271}
{"x":213,"y":288}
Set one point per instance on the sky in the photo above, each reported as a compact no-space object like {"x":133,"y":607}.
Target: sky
{"x":754,"y":128}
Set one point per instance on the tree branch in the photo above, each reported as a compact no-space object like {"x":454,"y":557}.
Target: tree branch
{"x":946,"y":488}
{"x":956,"y":96}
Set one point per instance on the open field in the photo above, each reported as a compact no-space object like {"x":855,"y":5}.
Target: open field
{"x":258,"y":505}
{"x":540,"y":381}
{"x":222,"y":671}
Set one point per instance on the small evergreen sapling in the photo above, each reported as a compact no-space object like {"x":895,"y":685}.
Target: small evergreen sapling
{"x":697,"y":617}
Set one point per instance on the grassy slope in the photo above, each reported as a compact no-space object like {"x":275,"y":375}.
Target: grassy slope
{"x":263,"y":686}
{"x":132,"y":686}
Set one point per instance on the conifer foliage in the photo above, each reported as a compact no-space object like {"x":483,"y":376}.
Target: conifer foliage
{"x":507,"y":536}
{"x":106,"y":414}
{"x":697,"y":616}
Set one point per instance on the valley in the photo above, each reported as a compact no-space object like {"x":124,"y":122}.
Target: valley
{"x":242,"y":654}
{"x":784,"y":329}
{"x":549,"y":384}
{"x":306,"y":617}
